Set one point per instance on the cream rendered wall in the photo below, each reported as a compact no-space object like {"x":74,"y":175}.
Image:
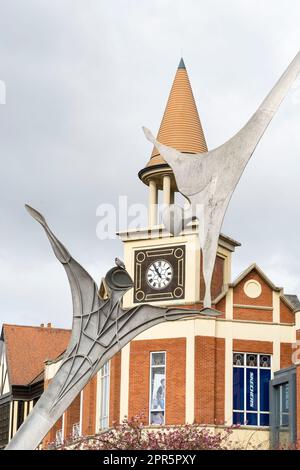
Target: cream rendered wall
{"x":158,"y":237}
{"x":51,"y":369}
{"x":192,"y":274}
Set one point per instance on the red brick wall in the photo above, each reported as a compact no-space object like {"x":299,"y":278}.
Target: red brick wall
{"x":89,"y":407}
{"x":244,"y":345}
{"x":72,"y":416}
{"x":286,"y":351}
{"x":175,"y":377}
{"x":115,"y":389}
{"x":265,"y":299}
{"x":220,"y":381}
{"x":286,"y":314}
{"x":221,"y":307}
{"x":217,"y":278}
{"x":50,"y":437}
{"x":251,"y":314}
{"x":209,"y":379}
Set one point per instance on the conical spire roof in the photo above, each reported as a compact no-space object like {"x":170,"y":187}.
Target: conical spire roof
{"x":180,"y":127}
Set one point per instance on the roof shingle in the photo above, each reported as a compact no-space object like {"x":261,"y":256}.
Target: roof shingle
{"x":28,"y":347}
{"x":181,"y":126}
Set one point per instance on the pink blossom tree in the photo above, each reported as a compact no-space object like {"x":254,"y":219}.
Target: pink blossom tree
{"x":132,"y":434}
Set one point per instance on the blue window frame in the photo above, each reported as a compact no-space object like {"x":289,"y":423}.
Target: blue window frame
{"x":251,"y":377}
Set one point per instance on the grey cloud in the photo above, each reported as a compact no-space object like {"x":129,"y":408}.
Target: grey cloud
{"x":83,"y":77}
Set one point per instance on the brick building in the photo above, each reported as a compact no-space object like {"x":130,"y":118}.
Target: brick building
{"x":237,"y":368}
{"x":23,"y":352}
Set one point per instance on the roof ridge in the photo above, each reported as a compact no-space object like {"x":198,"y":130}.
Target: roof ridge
{"x":45,"y":328}
{"x":248,"y":270}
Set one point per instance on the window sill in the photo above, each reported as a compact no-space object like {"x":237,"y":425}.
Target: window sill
{"x":253,"y":428}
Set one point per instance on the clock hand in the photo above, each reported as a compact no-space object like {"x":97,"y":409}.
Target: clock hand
{"x":157,"y":271}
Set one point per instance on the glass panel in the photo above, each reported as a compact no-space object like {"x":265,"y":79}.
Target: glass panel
{"x":157,"y":417}
{"x":76,"y":431}
{"x":238,"y":359}
{"x":238,"y":418}
{"x":264,"y":419}
{"x":158,"y":388}
{"x":265,"y":360}
{"x":158,"y":359}
{"x":251,"y":419}
{"x":284,"y":405}
{"x":59,"y":437}
{"x":238,"y":388}
{"x":265,"y":376}
{"x":104,"y":396}
{"x":284,"y":420}
{"x":105,"y":369}
{"x":251,"y":360}
{"x":251,"y":391}
{"x":285,"y":398}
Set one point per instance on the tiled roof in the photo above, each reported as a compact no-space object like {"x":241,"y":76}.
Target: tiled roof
{"x":27,"y":348}
{"x":180,"y":127}
{"x":293,"y":300}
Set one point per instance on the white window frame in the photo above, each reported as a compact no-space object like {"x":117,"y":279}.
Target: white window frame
{"x":76,"y":430}
{"x":59,"y":437}
{"x":245,"y":367}
{"x":104,"y":375}
{"x":150,"y":384}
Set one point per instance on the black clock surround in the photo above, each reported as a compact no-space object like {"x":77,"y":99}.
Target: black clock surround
{"x":149,"y":260}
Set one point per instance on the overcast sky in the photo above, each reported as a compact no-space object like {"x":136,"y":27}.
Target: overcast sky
{"x":82,"y":77}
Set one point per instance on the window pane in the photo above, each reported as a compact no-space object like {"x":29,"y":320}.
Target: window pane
{"x":251,"y":384}
{"x":252,"y":360}
{"x":251,"y":419}
{"x":285,"y":398}
{"x":284,"y":420}
{"x":251,"y":378}
{"x":238,"y":388}
{"x":238,"y":359}
{"x":265,"y":375}
{"x":265,"y":360}
{"x":157,"y":417}
{"x":284,"y":405}
{"x":264,"y":419}
{"x":158,"y":388}
{"x":238,"y":418}
{"x":104,"y":396}
{"x":158,"y":359}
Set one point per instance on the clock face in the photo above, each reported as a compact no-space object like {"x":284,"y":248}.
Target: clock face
{"x":159,"y":274}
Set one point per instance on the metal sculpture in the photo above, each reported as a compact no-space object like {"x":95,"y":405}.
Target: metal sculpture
{"x":100,"y":329}
{"x":208,"y":179}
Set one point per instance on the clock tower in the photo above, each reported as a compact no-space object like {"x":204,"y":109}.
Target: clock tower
{"x":167,"y":269}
